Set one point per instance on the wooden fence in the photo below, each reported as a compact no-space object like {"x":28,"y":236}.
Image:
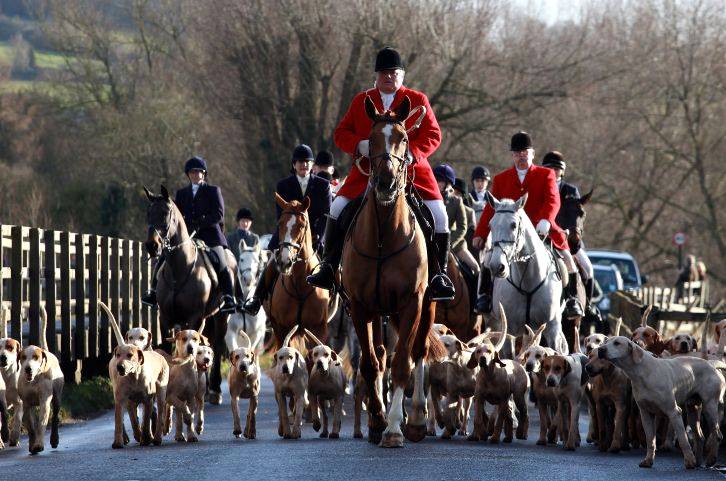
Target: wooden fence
{"x":67,"y":274}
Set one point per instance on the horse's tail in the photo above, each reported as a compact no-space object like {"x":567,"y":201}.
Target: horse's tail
{"x":436,"y":350}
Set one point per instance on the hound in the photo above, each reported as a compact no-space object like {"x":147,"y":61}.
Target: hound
{"x":662,"y":386}
{"x":205,"y":359}
{"x":290,"y":377}
{"x":40,"y":385}
{"x":139,"y":337}
{"x":9,"y":369}
{"x":327,"y":383}
{"x":244,"y":382}
{"x":138,"y":377}
{"x":498,"y":382}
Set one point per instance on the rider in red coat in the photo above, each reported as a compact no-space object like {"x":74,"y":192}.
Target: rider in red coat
{"x":351,"y":136}
{"x":542,"y":206}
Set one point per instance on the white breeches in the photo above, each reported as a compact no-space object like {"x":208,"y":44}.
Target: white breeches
{"x":437,"y":208}
{"x":467,"y":258}
{"x":569,"y":261}
{"x":585,"y":264}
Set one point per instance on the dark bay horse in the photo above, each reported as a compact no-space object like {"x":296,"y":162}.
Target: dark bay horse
{"x":186,"y":292}
{"x":456,"y":314}
{"x":294,"y":302}
{"x":385,"y":272}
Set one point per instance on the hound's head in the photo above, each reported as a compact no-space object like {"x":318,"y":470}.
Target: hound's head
{"x":597,"y":365}
{"x":33,"y":361}
{"x":286,"y":359}
{"x":244,"y":360}
{"x":452,"y":344}
{"x":322,"y":357}
{"x":204,"y":358}
{"x":620,"y":350}
{"x":139,"y":337}
{"x":187,"y":342}
{"x":646,"y":337}
{"x":9,"y":349}
{"x":129,"y":358}
{"x":720,"y":328}
{"x":593,"y":341}
{"x":682,"y":343}
{"x":555,"y":369}
{"x":484,"y":355}
{"x":533,"y":356}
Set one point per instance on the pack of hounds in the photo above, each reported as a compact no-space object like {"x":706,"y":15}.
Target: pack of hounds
{"x":641,"y":392}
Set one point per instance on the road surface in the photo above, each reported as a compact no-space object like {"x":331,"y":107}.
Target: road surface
{"x":85,"y":453}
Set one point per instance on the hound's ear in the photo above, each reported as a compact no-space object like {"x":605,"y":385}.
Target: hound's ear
{"x":205,"y":340}
{"x":274,"y":360}
{"x":164,"y":192}
{"x":459,"y":345}
{"x":148,"y":343}
{"x":497,"y":360}
{"x":298,"y":357}
{"x":473,"y":362}
{"x":45,"y":359}
{"x":586,"y":198}
{"x":141,"y":356}
{"x":694,"y":344}
{"x":280,"y":201}
{"x":306,"y":203}
{"x":521,"y":201}
{"x":568,"y":369}
{"x":309,"y":357}
{"x":149,"y":195}
{"x":233,"y":357}
{"x":636,"y":353}
{"x":115,"y":351}
{"x":371,"y":110}
{"x":254,"y":356}
{"x":404,"y":109}
{"x":335,"y":356}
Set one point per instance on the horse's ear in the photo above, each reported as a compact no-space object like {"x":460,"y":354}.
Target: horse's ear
{"x":280,"y":201}
{"x":404,"y":109}
{"x":242,"y":245}
{"x":149,"y":195}
{"x":306,"y":203}
{"x":586,"y":198}
{"x":371,"y":110}
{"x":522,"y":200}
{"x":491,"y":200}
{"x":164,"y":192}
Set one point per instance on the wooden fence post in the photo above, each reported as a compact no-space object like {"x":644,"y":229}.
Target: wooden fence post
{"x":16,"y":283}
{"x":104,"y":344}
{"x":34,"y":287}
{"x":113,"y":266}
{"x":93,"y":297}
{"x":49,"y":238}
{"x":136,"y":283}
{"x":80,"y":351}
{"x":66,"y":347}
{"x":125,"y":286}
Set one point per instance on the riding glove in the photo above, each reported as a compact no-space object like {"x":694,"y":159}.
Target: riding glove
{"x":543,"y":227}
{"x":363,"y":148}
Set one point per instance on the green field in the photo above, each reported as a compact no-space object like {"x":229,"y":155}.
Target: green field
{"x":43,"y":59}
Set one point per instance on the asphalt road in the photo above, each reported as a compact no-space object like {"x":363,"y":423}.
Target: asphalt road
{"x":85,"y":453}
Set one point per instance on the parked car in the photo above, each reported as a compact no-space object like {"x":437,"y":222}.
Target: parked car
{"x":624,"y":262}
{"x":609,"y":280}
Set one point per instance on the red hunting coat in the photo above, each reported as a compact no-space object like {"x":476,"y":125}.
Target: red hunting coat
{"x":423,"y":142}
{"x":543,"y":200}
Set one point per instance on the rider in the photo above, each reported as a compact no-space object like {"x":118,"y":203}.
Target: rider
{"x":351,"y":136}
{"x":555,"y":161}
{"x":297,"y":186}
{"x":202,"y":207}
{"x":242,"y":232}
{"x":464,"y":254}
{"x":541,"y":207}
{"x":480,"y":178}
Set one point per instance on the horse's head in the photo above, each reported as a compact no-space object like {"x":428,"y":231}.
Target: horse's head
{"x":293,"y":230}
{"x":387,"y":150}
{"x":162,"y":218}
{"x":248,"y":265}
{"x":572,"y":218}
{"x":507,"y":231}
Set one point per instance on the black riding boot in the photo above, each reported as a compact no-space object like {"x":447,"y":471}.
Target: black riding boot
{"x":573,"y":308}
{"x":226,"y":282}
{"x":267,"y":279}
{"x":324,"y":277}
{"x":442,"y":289}
{"x":149,"y":297}
{"x":484,"y":301}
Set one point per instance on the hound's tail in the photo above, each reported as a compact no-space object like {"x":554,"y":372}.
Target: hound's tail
{"x":114,"y":325}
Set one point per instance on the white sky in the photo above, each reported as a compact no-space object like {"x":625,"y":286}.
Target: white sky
{"x":551,"y":11}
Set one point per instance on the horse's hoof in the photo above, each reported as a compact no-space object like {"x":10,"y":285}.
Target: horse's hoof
{"x":192,"y":439}
{"x":358,"y":435}
{"x":180,"y":438}
{"x":215,"y":398}
{"x":431,"y":433}
{"x":541,"y":442}
{"x":334,"y":436}
{"x":374,"y":436}
{"x":324,"y":434}
{"x":316,"y":425}
{"x":117,"y":445}
{"x":415,"y":433}
{"x":391,"y":440}
{"x":507,"y":439}
{"x":646,"y":463}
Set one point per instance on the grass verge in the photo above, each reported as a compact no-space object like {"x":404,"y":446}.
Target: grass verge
{"x":86,"y":400}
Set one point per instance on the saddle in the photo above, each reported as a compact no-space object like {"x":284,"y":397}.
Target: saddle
{"x":210,"y":261}
{"x":560,"y":266}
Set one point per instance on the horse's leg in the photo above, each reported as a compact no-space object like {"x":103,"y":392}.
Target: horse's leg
{"x":218,"y":329}
{"x":416,"y":423}
{"x":371,"y":370}
{"x":554,"y":336}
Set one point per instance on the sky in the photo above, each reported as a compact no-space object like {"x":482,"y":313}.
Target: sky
{"x":551,"y":11}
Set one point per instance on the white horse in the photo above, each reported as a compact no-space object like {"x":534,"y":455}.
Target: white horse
{"x":526,"y":281}
{"x":248,"y":266}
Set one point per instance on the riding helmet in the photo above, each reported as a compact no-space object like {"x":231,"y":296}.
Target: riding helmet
{"x":460,"y":185}
{"x":302,"y":152}
{"x":554,"y":160}
{"x":446,"y":173}
{"x":521,"y":141}
{"x":388,"y":59}
{"x":480,"y":172}
{"x":244,"y":213}
{"x":195,"y":163}
{"x":324,"y":158}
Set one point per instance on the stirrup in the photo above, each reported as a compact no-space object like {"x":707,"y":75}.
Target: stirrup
{"x":228,"y":304}
{"x":252,"y":306}
{"x":324,"y":278}
{"x":149,"y":299}
{"x":446,"y":291}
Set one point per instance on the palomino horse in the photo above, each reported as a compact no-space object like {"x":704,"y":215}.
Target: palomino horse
{"x":248,"y":266}
{"x":526,"y":280}
{"x":385,"y":271}
{"x":186,"y":293}
{"x":456,"y":313}
{"x":294,"y":302}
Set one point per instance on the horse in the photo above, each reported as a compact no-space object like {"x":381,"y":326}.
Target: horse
{"x":526,"y":279}
{"x":248,"y":266}
{"x":385,"y":272}
{"x":186,"y":292}
{"x":456,"y":314}
{"x":294,"y":302}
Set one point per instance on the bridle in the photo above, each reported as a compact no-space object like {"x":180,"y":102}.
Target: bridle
{"x":165,"y":240}
{"x":296,"y":244}
{"x":511,"y":256}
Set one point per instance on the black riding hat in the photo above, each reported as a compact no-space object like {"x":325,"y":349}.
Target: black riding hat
{"x":388,"y":59}
{"x":302,"y":152}
{"x":480,"y":172}
{"x":324,"y":158}
{"x":521,"y":141}
{"x":244,"y":213}
{"x":460,"y":185}
{"x":195,"y":163}
{"x":554,"y":160}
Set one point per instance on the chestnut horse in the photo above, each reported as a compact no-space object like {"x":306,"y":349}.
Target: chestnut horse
{"x":385,"y":272}
{"x":186,"y":293}
{"x":294,"y":302}
{"x":456,"y":314}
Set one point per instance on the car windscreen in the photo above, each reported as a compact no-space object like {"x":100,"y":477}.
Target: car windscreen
{"x":607,"y":280}
{"x":626,"y":268}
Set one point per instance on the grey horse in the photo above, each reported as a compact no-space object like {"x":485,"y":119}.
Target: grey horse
{"x":526,"y":281}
